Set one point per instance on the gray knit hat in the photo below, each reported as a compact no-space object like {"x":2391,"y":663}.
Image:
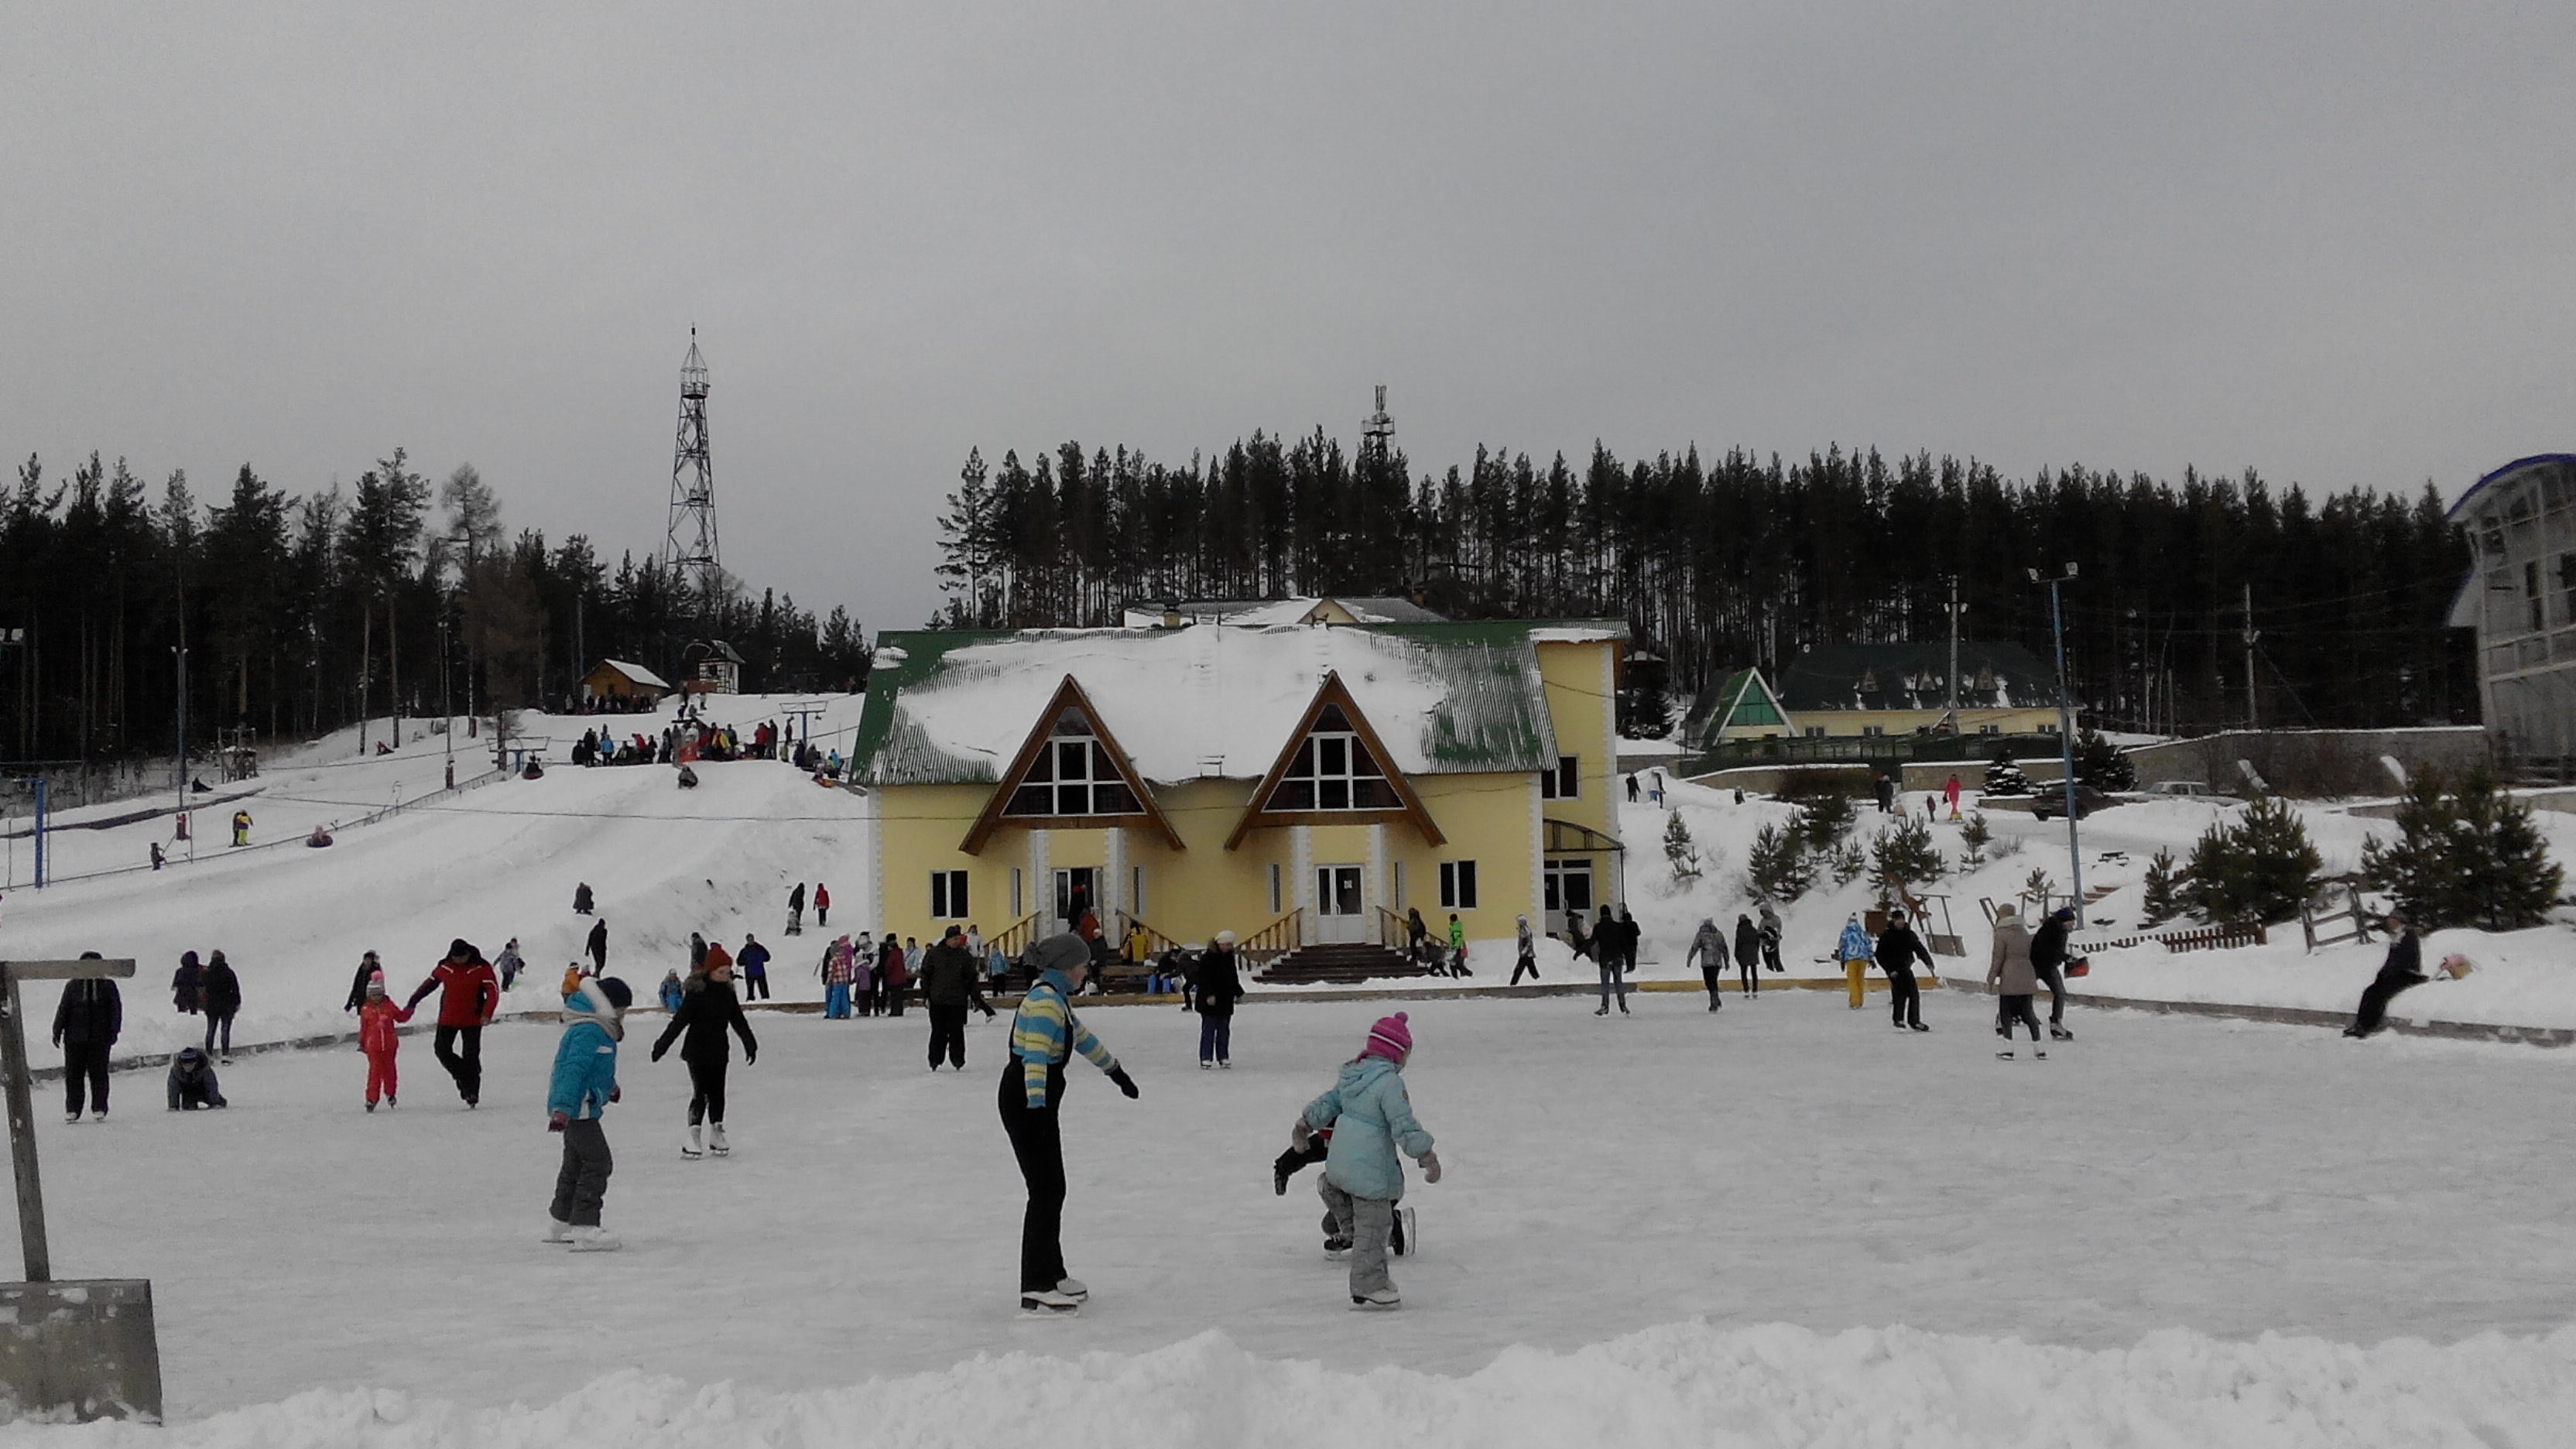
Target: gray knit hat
{"x":1067,"y":953}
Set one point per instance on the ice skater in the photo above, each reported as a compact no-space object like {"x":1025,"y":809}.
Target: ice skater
{"x":1748,"y":957}
{"x":87,"y":1022}
{"x":708,"y":1008}
{"x":2048,"y":963}
{"x":1371,"y":1119}
{"x":192,"y":1083}
{"x":1044,"y":1036}
{"x":1770,"y":928}
{"x":2009,"y":972}
{"x":1855,"y":951}
{"x":1708,"y":947}
{"x":2401,"y":970}
{"x":221,"y":990}
{"x":468,"y":994}
{"x":379,"y":1039}
{"x":949,"y":990}
{"x":1897,"y":949}
{"x":577,"y":1095}
{"x":753,"y":960}
{"x":1220,"y":986}
{"x":1610,"y":947}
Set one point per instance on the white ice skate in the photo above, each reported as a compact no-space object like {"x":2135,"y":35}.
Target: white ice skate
{"x":1411,"y":1239}
{"x":594,"y":1240}
{"x":1382,"y":1299}
{"x":2038,"y":1055}
{"x":1049,"y":1303}
{"x":1073,"y":1288}
{"x":557,"y":1231}
{"x":71,"y":1118}
{"x":2005,"y":1055}
{"x":693,"y":1146}
{"x":99,"y":1116}
{"x":716,"y":1141}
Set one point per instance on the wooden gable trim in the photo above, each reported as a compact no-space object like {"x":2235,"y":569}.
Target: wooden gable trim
{"x":1411,"y":808}
{"x":1067,"y":695}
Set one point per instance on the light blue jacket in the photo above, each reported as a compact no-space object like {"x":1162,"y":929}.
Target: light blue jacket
{"x":1855,"y":944}
{"x":586,"y":1057}
{"x":1371,"y":1117}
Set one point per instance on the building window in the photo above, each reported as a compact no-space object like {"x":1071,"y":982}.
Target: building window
{"x":1017,"y":895}
{"x":1567,"y":886}
{"x":1073,"y":774}
{"x":1815,"y":732}
{"x":1565,"y":782}
{"x":1458,"y":884}
{"x":1135,"y":890}
{"x":947,"y":894}
{"x":1399,"y":885}
{"x":1873,"y":731}
{"x":1333,"y":770}
{"x":2567,"y":588}
{"x":1275,"y":907}
{"x":1990,"y":729}
{"x":2531,"y":595}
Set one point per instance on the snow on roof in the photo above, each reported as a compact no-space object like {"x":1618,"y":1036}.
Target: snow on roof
{"x":1185,"y":703}
{"x":1579,"y":634}
{"x":637,"y":673}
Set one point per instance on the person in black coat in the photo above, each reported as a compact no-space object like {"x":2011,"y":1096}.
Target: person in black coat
{"x":708,"y":1009}
{"x":1748,"y":957}
{"x":1220,"y":985}
{"x":2048,"y":962}
{"x":598,"y":945}
{"x":581,"y":899}
{"x":192,"y":1083}
{"x":187,"y":984}
{"x":1897,"y":949}
{"x":1631,"y":935}
{"x":368,"y":966}
{"x":2401,"y":970}
{"x":222,"y":993}
{"x":950,"y":982}
{"x":86,"y":1024}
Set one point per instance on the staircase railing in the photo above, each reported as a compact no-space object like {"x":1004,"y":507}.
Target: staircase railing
{"x":1015,"y":937}
{"x":1155,"y":941}
{"x":1277,"y":939}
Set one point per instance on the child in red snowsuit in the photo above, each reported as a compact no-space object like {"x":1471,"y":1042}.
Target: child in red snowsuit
{"x":377,"y":1018}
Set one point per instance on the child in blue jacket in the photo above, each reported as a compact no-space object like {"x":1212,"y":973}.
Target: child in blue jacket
{"x":584,"y":1083}
{"x":1371,"y":1119}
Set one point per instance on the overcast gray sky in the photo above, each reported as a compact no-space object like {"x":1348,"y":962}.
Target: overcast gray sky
{"x":2330,"y":241}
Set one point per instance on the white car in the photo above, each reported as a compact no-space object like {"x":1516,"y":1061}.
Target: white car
{"x":2188,"y":790}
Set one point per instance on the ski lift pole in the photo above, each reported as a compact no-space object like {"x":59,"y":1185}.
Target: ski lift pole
{"x":2065,"y":743}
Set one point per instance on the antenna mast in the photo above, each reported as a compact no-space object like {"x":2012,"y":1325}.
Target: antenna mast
{"x":689,"y":555}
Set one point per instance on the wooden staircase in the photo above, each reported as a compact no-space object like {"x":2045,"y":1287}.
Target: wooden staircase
{"x":1339,"y":964}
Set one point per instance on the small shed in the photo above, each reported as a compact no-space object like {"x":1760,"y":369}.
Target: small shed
{"x":621,"y":680}
{"x":715,"y":667}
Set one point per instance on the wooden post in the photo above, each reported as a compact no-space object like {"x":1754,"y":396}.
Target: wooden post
{"x":15,"y":1080}
{"x":22,"y":1134}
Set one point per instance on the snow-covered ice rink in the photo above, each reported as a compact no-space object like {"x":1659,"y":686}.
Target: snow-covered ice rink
{"x":1653,"y":1230}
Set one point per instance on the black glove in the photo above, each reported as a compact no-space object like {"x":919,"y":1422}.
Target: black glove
{"x":658,"y":1049}
{"x":750,"y":1055}
{"x":988,"y":1013}
{"x":1125,"y":1082}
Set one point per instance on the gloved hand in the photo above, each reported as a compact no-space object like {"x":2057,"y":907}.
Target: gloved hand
{"x":1125,"y":1082}
{"x":658,"y":1049}
{"x":557,"y":1121}
{"x":988,"y":1013}
{"x":1431,"y":1167}
{"x":617,"y":1094}
{"x":750,"y":1055}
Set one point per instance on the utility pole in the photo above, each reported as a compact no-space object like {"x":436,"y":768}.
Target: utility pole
{"x":1956,"y":609}
{"x":2066,"y":737}
{"x":2251,"y":720}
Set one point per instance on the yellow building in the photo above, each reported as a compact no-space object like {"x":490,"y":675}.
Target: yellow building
{"x":1296,"y":784}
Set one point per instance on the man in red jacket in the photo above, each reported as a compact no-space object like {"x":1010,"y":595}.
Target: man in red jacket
{"x":468,"y":995}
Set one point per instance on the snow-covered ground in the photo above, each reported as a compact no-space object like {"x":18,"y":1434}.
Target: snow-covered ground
{"x":485,"y":864}
{"x":1779,"y":1224}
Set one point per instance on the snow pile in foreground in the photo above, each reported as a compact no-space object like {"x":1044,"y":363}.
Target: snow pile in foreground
{"x":1680,"y":1384}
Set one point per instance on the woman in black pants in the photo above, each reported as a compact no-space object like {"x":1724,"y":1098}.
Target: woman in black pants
{"x":1748,"y":957}
{"x":1044,"y":1035}
{"x":708,"y":1007}
{"x":222,"y":993}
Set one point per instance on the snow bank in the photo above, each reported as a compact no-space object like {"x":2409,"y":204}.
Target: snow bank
{"x":1683,"y":1384}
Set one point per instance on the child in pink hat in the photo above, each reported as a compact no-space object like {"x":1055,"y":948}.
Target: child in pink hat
{"x":1370,"y":1117}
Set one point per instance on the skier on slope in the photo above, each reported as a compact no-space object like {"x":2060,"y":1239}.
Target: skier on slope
{"x":1044,"y":1035}
{"x":1708,"y":946}
{"x":1371,"y":1118}
{"x":708,"y":1008}
{"x":1897,"y":949}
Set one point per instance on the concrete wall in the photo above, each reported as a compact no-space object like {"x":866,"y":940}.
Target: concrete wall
{"x":2310,"y":764}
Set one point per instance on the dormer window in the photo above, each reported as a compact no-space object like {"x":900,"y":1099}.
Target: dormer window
{"x":1333,"y":770}
{"x":1072,"y":775}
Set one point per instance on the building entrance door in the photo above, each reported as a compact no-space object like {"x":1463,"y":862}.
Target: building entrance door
{"x":1077,"y":889}
{"x":1340,"y":909}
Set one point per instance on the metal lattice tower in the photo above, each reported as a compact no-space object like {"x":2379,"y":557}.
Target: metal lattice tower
{"x":1377,"y":430}
{"x":689,"y":551}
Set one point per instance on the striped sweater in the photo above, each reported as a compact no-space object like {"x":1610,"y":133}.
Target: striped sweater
{"x":1045,"y":1033}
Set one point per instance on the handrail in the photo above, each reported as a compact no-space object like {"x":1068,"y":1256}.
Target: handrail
{"x":1014,"y":938}
{"x":1155,"y":940}
{"x":1391,"y":930}
{"x":1278,"y":938}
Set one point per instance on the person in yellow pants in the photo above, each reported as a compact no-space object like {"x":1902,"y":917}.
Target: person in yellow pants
{"x":1856,"y":951}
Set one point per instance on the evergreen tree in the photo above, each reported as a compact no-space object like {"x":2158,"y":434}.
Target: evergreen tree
{"x":2163,"y":889}
{"x":2004,"y":778}
{"x":2261,"y":867}
{"x":1906,"y":857}
{"x":2102,"y":764}
{"x":1975,"y":834}
{"x":2469,"y":856}
{"x":1777,"y":867}
{"x":1680,"y":852}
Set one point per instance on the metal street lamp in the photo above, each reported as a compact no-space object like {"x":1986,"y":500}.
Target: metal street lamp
{"x":2065,"y":735}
